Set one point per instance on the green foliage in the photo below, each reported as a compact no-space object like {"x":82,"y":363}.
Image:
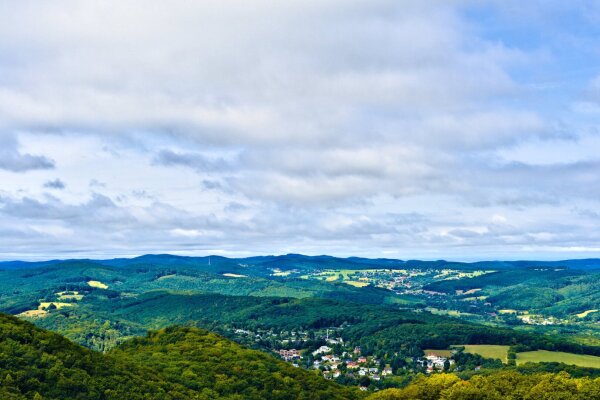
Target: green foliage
{"x":102,"y":324}
{"x":496,"y":386}
{"x":200,"y":360}
{"x":34,"y":362}
{"x":550,"y":291}
{"x":190,"y":363}
{"x":176,"y":363}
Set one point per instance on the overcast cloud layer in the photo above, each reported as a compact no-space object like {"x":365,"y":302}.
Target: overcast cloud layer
{"x":406,"y":129}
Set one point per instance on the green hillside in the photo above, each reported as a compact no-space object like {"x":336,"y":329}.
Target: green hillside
{"x":103,"y":323}
{"x":556,"y":292}
{"x":21,"y":289}
{"x":219,"y":368}
{"x":180,"y":363}
{"x":177,"y":363}
{"x":498,"y":386}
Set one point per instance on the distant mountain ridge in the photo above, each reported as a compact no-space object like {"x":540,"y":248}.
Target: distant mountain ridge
{"x":302,"y":262}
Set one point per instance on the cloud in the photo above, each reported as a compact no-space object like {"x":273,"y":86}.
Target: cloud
{"x":375,"y":126}
{"x":55,"y":184}
{"x":52,"y":208}
{"x":196,"y":161}
{"x":11,"y":159}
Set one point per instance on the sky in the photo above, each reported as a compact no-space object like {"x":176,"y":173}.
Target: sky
{"x":463,"y":130}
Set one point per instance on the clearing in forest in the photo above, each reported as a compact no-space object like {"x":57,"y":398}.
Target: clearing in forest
{"x":488,"y":351}
{"x":97,"y":284}
{"x":582,"y":360}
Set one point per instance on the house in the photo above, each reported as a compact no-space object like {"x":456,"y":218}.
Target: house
{"x":352,"y":365}
{"x":322,"y":350}
{"x":288,"y":355}
{"x":375,"y":377}
{"x":356,"y":350}
{"x":387,"y":371}
{"x":437,"y":362}
{"x":362,"y":360}
{"x":373,"y":370}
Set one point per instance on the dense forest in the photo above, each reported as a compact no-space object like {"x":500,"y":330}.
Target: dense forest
{"x":497,"y":386}
{"x":175,"y":363}
{"x":259,"y":306}
{"x":189,"y":363}
{"x":377,"y":329}
{"x":558,"y":292}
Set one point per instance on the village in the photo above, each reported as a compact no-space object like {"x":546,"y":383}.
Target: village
{"x":355,"y":365}
{"x":336,"y":359}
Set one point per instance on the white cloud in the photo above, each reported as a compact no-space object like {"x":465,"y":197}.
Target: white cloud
{"x":317,"y":124}
{"x":11,"y":159}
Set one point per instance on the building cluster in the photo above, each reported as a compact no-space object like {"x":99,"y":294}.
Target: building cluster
{"x":435,"y":362}
{"x":349,"y":363}
{"x":335,"y":359}
{"x":289,"y":355}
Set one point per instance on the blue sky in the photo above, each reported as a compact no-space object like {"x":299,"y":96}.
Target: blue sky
{"x":410,"y":129}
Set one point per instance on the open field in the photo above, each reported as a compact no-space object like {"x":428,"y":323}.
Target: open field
{"x":33,"y":314}
{"x":97,"y":284}
{"x":69,"y":296}
{"x":282,"y":273}
{"x":586,"y":313}
{"x":582,"y":360}
{"x":349,"y":276}
{"x":58,"y":305}
{"x":357,"y":283}
{"x":488,"y":350}
{"x":451,"y":313}
{"x":42,"y":307}
{"x":164,"y":277}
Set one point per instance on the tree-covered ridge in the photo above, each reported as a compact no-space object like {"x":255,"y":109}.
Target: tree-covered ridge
{"x":558,"y":292}
{"x":101,"y":323}
{"x":304,"y":262}
{"x":377,"y":329}
{"x":178,"y":363}
{"x":558,"y":298}
{"x":21,"y":289}
{"x":497,"y":386}
{"x":35,"y":363}
{"x":219,"y":368}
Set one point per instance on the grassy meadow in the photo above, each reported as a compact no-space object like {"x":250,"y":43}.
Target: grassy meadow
{"x":488,"y":351}
{"x":581,"y":360}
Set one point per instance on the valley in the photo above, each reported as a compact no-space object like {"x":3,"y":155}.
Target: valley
{"x":365,"y":324}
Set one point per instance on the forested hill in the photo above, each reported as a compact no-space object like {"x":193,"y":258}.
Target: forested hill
{"x":262,"y":265}
{"x":187,"y":363}
{"x":176,"y":363}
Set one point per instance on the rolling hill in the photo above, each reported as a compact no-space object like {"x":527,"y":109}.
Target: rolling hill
{"x":175,"y":363}
{"x":180,"y":363}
